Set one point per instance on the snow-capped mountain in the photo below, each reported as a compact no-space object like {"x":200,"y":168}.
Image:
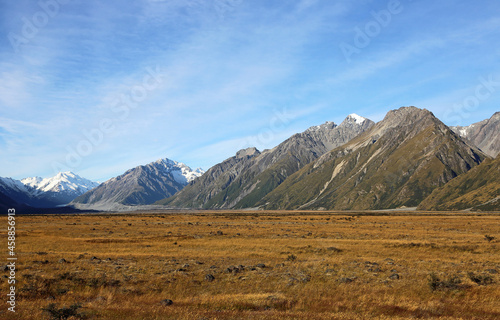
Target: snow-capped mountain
{"x":17,"y":191}
{"x":15,"y":185}
{"x":67,"y":182}
{"x":49,"y":192}
{"x":483,"y":134}
{"x":181,"y":172}
{"x":141,"y":185}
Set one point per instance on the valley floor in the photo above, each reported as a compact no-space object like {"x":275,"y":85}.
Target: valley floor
{"x":257,"y":265}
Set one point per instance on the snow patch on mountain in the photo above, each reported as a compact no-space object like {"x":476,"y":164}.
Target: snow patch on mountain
{"x":355,"y":118}
{"x":32,"y":182}
{"x":182,"y":173}
{"x":352,"y":119}
{"x":464,"y":131}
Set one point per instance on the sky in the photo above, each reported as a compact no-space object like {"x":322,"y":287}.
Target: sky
{"x":99,"y":87}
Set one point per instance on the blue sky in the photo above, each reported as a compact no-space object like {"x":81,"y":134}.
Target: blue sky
{"x":98,"y":87}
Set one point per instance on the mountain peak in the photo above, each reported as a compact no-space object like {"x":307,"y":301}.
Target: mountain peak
{"x":66,"y":174}
{"x":199,"y":170}
{"x":248,"y":152}
{"x":407,"y":111}
{"x":166,"y":162}
{"x":328,"y":125}
{"x":181,"y":172}
{"x":483,"y":134}
{"x":354,"y":117}
{"x":495,"y":117}
{"x":355,"y":120}
{"x":406,"y":116}
{"x":32,"y":181}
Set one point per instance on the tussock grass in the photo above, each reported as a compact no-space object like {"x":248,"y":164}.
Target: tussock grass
{"x":265,"y":265}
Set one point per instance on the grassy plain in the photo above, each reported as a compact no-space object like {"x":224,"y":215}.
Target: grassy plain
{"x":258,"y":265}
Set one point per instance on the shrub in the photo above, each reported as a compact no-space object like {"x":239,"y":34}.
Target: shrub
{"x":64,"y":312}
{"x":452,"y":283}
{"x":36,"y":286}
{"x":480,"y":279}
{"x":489,"y":238}
{"x":292,"y":257}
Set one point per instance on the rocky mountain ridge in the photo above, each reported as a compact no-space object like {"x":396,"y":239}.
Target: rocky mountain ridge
{"x":483,"y":134}
{"x":397,"y":163}
{"x":141,"y":185}
{"x":241,"y":181}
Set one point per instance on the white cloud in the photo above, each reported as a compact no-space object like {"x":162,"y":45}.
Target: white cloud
{"x":227,"y":65}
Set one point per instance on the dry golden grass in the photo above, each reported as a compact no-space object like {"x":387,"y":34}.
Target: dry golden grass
{"x":324,"y":265}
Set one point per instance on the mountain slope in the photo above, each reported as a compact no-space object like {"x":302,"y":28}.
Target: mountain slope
{"x":299,"y":151}
{"x":16,"y":191}
{"x":243,"y":180}
{"x":141,"y":185}
{"x":6,"y":203}
{"x":214,"y":182}
{"x":396,"y":163}
{"x":477,"y":189}
{"x":484,"y":134}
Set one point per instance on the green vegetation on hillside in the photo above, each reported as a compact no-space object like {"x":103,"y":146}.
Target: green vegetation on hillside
{"x":478,"y":189}
{"x":400,"y":168}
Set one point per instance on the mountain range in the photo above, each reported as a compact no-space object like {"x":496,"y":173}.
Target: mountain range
{"x":241,"y":181}
{"x":409,"y":159}
{"x":396,"y":163}
{"x":45,"y":193}
{"x":141,"y":185}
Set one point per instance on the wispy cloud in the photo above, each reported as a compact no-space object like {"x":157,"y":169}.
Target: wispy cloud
{"x":390,"y":58}
{"x":226,"y":67}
